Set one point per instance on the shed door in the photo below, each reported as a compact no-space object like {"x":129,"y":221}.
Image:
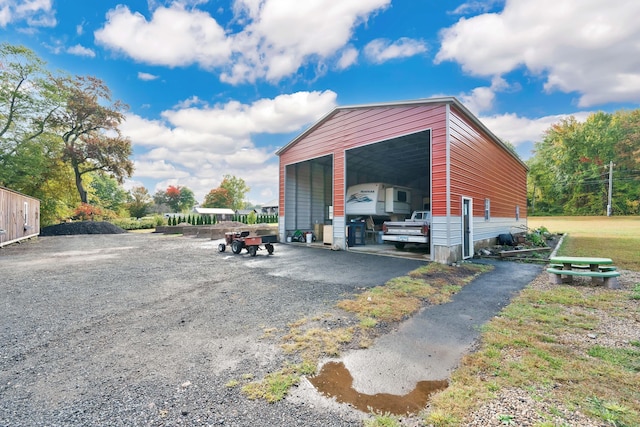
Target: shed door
{"x":467,"y":232}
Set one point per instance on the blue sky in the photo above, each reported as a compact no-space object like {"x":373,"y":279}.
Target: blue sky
{"x":216,"y":87}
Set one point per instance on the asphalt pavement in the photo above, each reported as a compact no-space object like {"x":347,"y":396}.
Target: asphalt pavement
{"x":430,"y":345}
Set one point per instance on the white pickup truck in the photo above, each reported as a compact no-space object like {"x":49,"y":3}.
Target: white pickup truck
{"x":412,"y":230}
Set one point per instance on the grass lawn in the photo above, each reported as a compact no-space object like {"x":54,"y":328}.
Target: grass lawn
{"x":616,"y":237}
{"x":560,"y":348}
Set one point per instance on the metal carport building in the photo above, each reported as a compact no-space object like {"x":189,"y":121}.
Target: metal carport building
{"x":475,"y":184}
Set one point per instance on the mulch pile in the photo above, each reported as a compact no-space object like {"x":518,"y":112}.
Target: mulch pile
{"x":82,"y":227}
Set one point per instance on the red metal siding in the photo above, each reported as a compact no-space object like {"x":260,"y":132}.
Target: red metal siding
{"x":352,"y":128}
{"x":482,"y":169}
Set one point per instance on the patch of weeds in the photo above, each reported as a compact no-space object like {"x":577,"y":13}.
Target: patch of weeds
{"x":298,"y":323}
{"x":493,"y":386}
{"x":628,"y":359}
{"x":276,"y":385}
{"x":553,"y":362}
{"x":635,"y":292}
{"x":610,"y":412}
{"x":403,"y":296}
{"x":368,"y":322}
{"x":365,"y":342}
{"x":382,"y":420}
{"x":232,"y":383}
{"x":383,"y":304}
{"x":269,"y":332}
{"x":441,"y":419}
{"x":411,"y":286}
{"x":505,"y":419}
{"x":316,"y":342}
{"x":635,"y":343}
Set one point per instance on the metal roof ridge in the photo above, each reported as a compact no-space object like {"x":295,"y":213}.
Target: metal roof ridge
{"x":420,"y":101}
{"x":436,"y":100}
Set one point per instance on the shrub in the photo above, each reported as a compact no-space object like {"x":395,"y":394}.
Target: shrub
{"x":135,"y":224}
{"x":252,"y":218}
{"x":87,"y":212}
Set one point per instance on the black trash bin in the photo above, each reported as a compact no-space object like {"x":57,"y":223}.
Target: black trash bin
{"x":355,"y":234}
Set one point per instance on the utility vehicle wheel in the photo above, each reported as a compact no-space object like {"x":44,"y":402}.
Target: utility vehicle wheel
{"x":252,"y":250}
{"x":399,"y":245}
{"x":269,"y":247}
{"x":236,"y":247}
{"x":222,"y":247}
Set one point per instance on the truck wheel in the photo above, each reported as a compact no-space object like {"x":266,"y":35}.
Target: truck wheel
{"x":236,"y":247}
{"x":399,"y":245}
{"x":252,"y":250}
{"x":269,"y":247}
{"x":222,"y":247}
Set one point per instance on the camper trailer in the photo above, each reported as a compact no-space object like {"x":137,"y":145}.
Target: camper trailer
{"x":379,"y":200}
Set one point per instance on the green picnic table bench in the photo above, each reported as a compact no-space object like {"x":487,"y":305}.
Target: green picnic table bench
{"x":585,"y":267}
{"x":563,"y":269}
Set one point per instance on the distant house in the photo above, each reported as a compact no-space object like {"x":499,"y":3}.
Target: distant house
{"x":19,"y":216}
{"x":221,"y":214}
{"x":246,"y":211}
{"x":270,"y":208}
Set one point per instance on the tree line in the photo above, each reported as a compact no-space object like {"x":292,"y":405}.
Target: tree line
{"x":570,"y":170}
{"x":60,"y":142}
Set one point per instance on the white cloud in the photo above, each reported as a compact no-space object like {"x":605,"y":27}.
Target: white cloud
{"x":476,"y":6}
{"x":196,"y":146}
{"x":146,"y":76}
{"x":282,"y":35}
{"x":285,"y":113}
{"x":518,"y":130}
{"x":173,"y":37}
{"x":37,"y":13}
{"x":190,"y":102}
{"x":158,"y":169}
{"x":348,"y":57}
{"x":585,"y":46}
{"x":382,"y":50}
{"x":81,"y":51}
{"x":276,"y":39}
{"x":482,"y":98}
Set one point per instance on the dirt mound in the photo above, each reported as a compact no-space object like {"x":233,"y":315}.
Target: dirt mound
{"x":83,"y":227}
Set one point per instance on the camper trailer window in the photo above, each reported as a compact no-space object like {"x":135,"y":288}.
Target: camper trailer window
{"x":402,"y":196}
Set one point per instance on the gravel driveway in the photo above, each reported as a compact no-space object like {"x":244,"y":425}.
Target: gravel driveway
{"x":147,"y":329}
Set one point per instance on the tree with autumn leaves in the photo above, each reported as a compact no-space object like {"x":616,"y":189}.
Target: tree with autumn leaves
{"x":55,"y":128}
{"x":176,"y":197}
{"x":569,"y":172}
{"x":88,"y":124}
{"x":230,"y":194}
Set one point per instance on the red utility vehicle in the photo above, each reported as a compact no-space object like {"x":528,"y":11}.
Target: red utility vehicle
{"x":239,"y":240}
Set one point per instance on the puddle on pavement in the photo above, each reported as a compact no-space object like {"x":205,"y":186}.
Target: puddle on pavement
{"x":335,"y":380}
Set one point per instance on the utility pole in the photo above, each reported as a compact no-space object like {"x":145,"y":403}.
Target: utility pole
{"x":609,"y":207}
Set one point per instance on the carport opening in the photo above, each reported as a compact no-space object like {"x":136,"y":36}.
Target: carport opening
{"x":403,"y":163}
{"x":308,"y":196}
